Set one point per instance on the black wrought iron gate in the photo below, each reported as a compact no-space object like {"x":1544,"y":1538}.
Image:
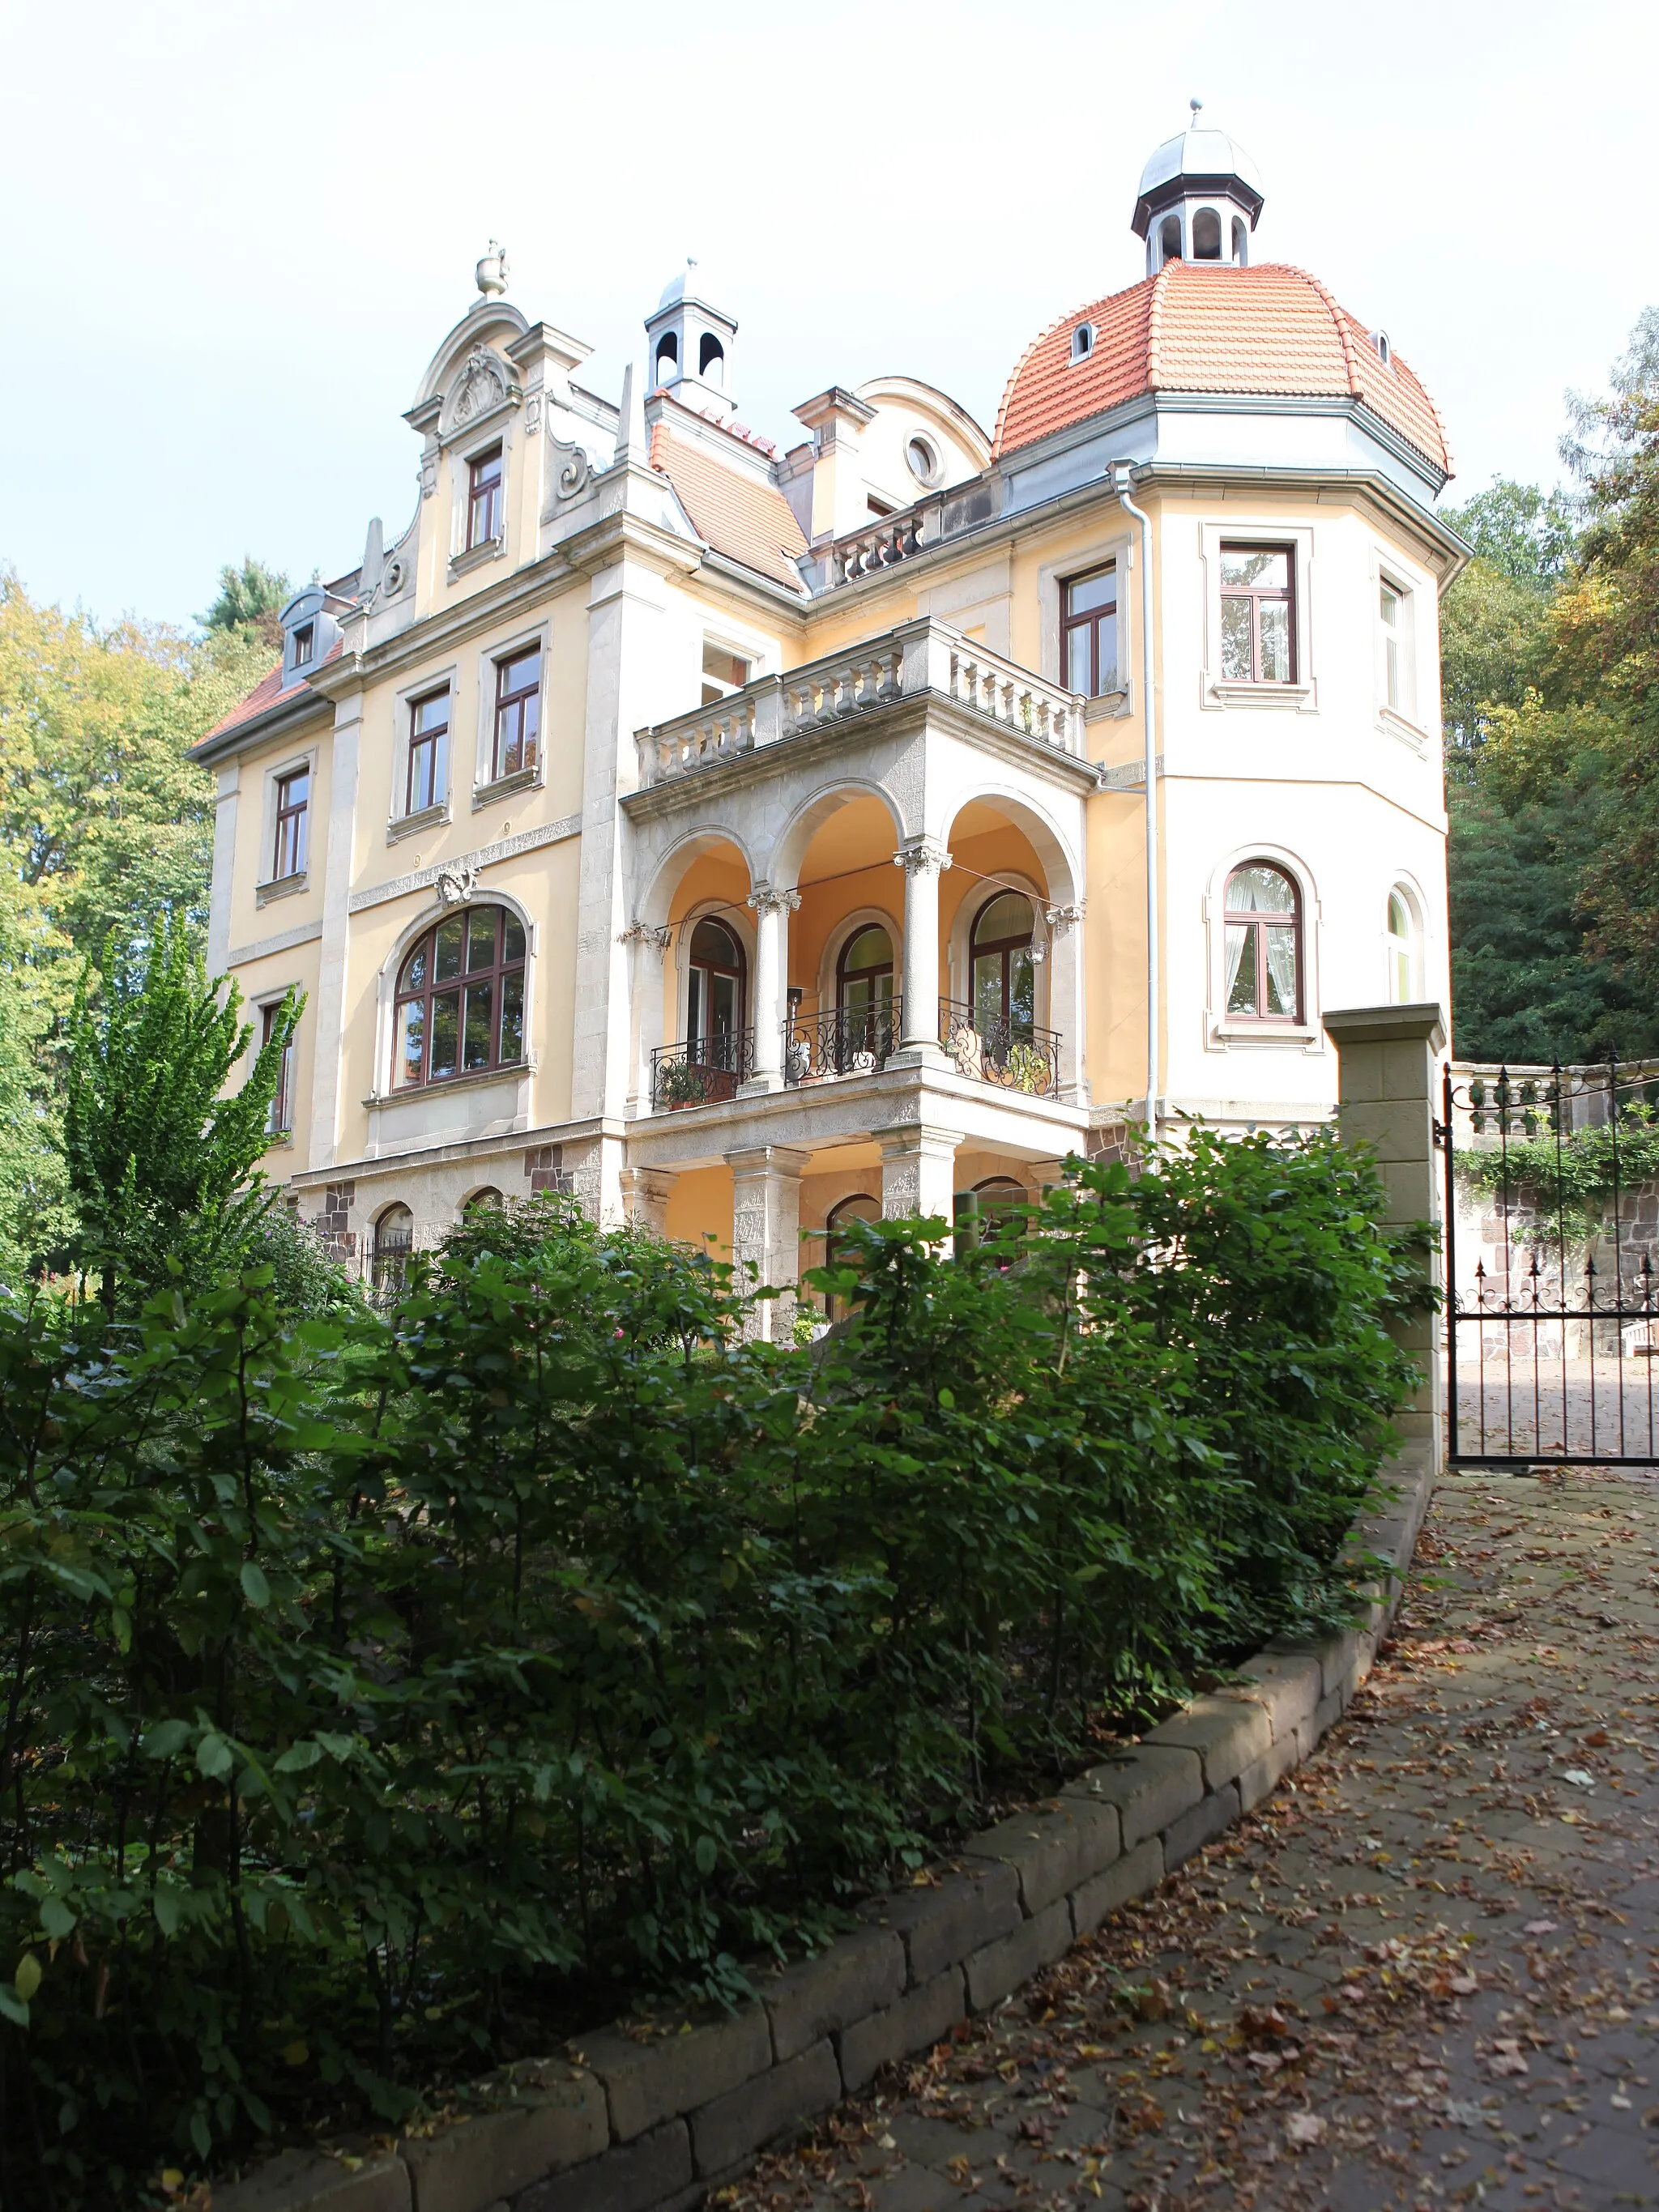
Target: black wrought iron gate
{"x":1552,"y":1331}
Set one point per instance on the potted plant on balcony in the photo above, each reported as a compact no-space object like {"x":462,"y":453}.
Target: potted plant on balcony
{"x":682,"y":1083}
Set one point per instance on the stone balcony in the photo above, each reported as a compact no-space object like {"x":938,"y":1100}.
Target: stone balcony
{"x":920,"y":661}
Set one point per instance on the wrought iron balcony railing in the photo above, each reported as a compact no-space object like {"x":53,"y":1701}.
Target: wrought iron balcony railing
{"x":851,"y":1041}
{"x":701,"y":1071}
{"x":1014,"y":1056}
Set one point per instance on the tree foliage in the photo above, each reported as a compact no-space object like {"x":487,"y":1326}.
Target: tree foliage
{"x":249,"y":598}
{"x":399,"y":1691}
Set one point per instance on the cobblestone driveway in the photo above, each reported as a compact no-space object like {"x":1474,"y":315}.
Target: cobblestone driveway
{"x":1425,"y":1972}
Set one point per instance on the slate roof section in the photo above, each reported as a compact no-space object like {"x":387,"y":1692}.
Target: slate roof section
{"x":749,"y":521}
{"x":1271,"y":330}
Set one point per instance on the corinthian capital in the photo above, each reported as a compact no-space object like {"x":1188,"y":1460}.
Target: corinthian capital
{"x":1062,"y":919}
{"x":769,"y":898}
{"x":918,"y":854}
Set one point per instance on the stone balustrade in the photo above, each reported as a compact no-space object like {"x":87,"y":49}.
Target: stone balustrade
{"x":918,"y":658}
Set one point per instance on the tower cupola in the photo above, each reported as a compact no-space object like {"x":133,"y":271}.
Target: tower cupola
{"x":692,"y":344}
{"x":1200,"y":194}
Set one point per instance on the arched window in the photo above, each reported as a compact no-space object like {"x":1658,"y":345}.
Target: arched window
{"x":1169,"y":238}
{"x":1264,"y":944}
{"x":1402,"y":949}
{"x":864,"y":974}
{"x":668,"y":357}
{"x":1206,"y":235}
{"x":715,"y":994}
{"x":998,"y":1196}
{"x":1241,"y":242}
{"x":1083,"y":341}
{"x":1005,"y":976}
{"x":394,"y":1240}
{"x":459,"y":1008}
{"x":489,"y":1196}
{"x":711,"y":360}
{"x":860,"y":1207}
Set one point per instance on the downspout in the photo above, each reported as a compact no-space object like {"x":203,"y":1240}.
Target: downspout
{"x":1121,"y":485}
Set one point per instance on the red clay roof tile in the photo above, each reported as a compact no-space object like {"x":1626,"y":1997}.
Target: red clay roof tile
{"x":747,"y":521}
{"x":1272,"y":329}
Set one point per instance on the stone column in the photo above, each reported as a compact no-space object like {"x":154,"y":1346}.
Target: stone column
{"x":918,"y":1170}
{"x":1066,"y":999}
{"x":772,"y":909}
{"x":766,"y":1231}
{"x":1389,"y":1089}
{"x":923,"y":861}
{"x":645,"y":1196}
{"x":328,"y":1013}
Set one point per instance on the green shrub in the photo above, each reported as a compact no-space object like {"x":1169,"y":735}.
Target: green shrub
{"x":395,"y":1690}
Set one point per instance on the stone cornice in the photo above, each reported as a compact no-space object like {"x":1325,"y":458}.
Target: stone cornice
{"x":460,"y":865}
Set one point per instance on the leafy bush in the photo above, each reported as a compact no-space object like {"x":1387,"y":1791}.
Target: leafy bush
{"x":391,"y":1691}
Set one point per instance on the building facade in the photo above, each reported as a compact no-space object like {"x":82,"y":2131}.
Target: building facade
{"x":740,"y":838}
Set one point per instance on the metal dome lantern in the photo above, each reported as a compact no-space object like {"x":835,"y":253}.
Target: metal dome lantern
{"x":1200,"y":194}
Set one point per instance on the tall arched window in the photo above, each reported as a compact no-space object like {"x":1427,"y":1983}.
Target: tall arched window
{"x":860,"y":1207}
{"x":1169,"y":238}
{"x":864,"y":992}
{"x":394,"y":1240}
{"x":1206,"y":235}
{"x":715,"y":992}
{"x":460,"y":1007}
{"x":668,"y":357}
{"x":711,"y":360}
{"x":1005,"y":976}
{"x":1264,"y":944}
{"x":1402,"y":949}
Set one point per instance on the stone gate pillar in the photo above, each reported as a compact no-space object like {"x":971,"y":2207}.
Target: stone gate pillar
{"x":1388,"y":1063}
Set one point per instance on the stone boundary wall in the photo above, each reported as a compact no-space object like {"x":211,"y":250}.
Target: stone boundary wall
{"x":622,"y":2125}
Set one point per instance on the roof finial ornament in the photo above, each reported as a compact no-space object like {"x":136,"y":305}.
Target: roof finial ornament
{"x":492,"y":272}
{"x":1197,"y":107}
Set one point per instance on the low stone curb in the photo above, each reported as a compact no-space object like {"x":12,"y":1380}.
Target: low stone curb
{"x":651,"y":2126}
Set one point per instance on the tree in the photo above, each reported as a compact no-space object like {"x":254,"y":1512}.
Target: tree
{"x":250,"y":597}
{"x":161,"y":1160}
{"x":1494,"y":620}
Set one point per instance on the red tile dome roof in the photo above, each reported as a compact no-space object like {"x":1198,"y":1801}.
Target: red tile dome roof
{"x":1271,"y":330}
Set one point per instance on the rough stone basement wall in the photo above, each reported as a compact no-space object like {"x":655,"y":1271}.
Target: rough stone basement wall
{"x":626,"y":2126}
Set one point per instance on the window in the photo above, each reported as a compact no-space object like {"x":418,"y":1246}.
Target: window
{"x":280,"y":1119}
{"x":880,"y":508}
{"x":921,"y":460}
{"x":668,"y":357}
{"x":1402,"y":950}
{"x":1169,"y":238}
{"x":723,"y":672}
{"x":394,"y":1240}
{"x":483,"y":499}
{"x":1241,"y":242}
{"x":1083,"y":341}
{"x":1005,"y":976}
{"x":305,"y":642}
{"x":1395,"y":685}
{"x":864,"y":992}
{"x":459,"y":1005}
{"x":293,"y":810}
{"x":428,"y":782}
{"x":518,"y":714}
{"x":488,"y":1197}
{"x":860,"y":1207}
{"x":711,"y":361}
{"x":1206,"y":235}
{"x":1088,"y":632}
{"x":714,"y":1001}
{"x":1264,"y":946}
{"x":1256,"y":642}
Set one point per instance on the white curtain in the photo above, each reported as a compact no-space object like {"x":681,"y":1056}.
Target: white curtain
{"x":1281,"y":970}
{"x":1236,"y":942}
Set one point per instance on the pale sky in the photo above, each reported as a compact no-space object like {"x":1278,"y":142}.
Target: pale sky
{"x":234,"y":236}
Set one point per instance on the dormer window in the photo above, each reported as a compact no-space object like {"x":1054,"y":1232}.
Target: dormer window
{"x":1083,"y":341}
{"x":1384,"y":350}
{"x":305,"y":644}
{"x":483,"y":511}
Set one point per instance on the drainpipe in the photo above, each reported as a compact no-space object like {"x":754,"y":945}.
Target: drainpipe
{"x":1120,"y":473}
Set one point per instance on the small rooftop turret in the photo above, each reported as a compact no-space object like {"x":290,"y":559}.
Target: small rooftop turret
{"x":692,"y":344}
{"x":1200,"y":194}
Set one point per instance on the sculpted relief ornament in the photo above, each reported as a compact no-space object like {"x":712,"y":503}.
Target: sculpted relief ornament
{"x":481,"y":386}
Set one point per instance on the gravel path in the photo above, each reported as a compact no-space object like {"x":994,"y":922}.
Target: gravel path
{"x":1426,"y":1972}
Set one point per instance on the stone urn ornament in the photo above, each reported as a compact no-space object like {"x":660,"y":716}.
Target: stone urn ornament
{"x":492,"y":271}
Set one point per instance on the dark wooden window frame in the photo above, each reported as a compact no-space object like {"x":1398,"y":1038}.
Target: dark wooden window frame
{"x":289,"y":852}
{"x":1257,"y":598}
{"x":1232,"y":918}
{"x":1070,"y":624}
{"x":435,"y":988}
{"x":425,"y":741}
{"x":978,"y":948}
{"x":279,"y":1121}
{"x":483,"y":497}
{"x":741,"y":972}
{"x":305,"y":644}
{"x":516,"y":703}
{"x":844,"y":975}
